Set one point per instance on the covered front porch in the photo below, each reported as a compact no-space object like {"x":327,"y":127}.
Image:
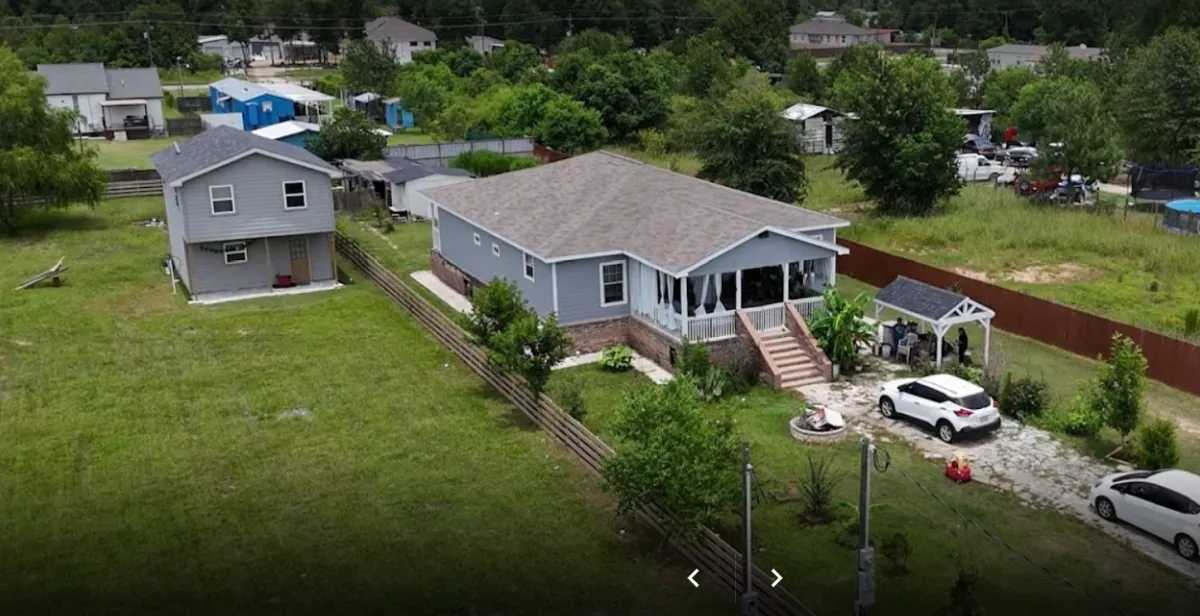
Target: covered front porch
{"x":704,"y":307}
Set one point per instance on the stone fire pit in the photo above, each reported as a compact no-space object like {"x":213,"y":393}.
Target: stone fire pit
{"x":818,"y":425}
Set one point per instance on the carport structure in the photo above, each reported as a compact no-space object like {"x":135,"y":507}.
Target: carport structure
{"x":940,"y":308}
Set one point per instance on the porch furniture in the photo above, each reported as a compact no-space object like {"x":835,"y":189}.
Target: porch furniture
{"x":905,"y":348}
{"x":941,"y":309}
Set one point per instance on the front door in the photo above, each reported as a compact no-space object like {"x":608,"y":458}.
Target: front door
{"x":298,"y":250}
{"x":828,"y":138}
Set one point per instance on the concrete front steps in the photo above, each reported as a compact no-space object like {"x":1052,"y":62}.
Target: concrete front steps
{"x":795,"y":367}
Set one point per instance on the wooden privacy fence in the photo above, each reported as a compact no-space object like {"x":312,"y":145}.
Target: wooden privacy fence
{"x":1171,"y":361}
{"x":708,"y":552}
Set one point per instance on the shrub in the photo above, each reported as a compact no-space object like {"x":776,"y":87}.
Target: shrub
{"x":569,"y":395}
{"x":963,"y":601}
{"x":1158,"y":444}
{"x":743,"y":367}
{"x":965,"y":372}
{"x":693,"y":360}
{"x":840,"y":329}
{"x":1025,"y":398}
{"x":1191,"y":323}
{"x":653,"y":142}
{"x":714,"y":384}
{"x":483,"y":163}
{"x":1082,"y":419}
{"x":896,"y":548}
{"x":617,"y":358}
{"x":494,"y":307}
{"x":816,"y":490}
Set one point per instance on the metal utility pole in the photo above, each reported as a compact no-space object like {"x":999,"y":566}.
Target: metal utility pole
{"x":866,"y":554}
{"x":749,"y":598}
{"x":146,"y":34}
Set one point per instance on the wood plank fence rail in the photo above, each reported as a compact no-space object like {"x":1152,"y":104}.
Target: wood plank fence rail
{"x":716,"y":559}
{"x":1170,"y":360}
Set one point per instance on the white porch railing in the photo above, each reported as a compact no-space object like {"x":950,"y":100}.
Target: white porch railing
{"x":807,"y":305}
{"x":712,"y":326}
{"x":766,"y":318}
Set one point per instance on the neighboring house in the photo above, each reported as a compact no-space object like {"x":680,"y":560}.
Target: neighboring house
{"x":399,"y":182}
{"x":212,"y":120}
{"x":245,"y":214}
{"x":264,"y":104}
{"x":831,"y":31}
{"x":293,"y":132}
{"x":484,"y":44}
{"x":819,"y":127}
{"x":107,"y":100}
{"x":220,"y":45}
{"x":400,"y":38}
{"x":628,"y":253}
{"x":1016,"y":54}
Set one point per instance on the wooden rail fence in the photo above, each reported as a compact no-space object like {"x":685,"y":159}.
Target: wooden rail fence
{"x":715,"y":558}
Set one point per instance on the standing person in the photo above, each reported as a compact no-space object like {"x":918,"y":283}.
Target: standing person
{"x":898,"y":331}
{"x":1010,"y":136}
{"x":962,"y":346}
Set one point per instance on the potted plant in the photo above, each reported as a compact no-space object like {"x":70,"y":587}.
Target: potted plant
{"x":840,"y":329}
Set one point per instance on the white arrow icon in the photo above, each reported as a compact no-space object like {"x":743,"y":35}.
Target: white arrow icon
{"x":694,"y":583}
{"x":778,"y":578}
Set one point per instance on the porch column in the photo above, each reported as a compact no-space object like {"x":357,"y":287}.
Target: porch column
{"x":683,"y":305}
{"x":787,"y":267}
{"x":940,"y":333}
{"x":738,"y":282}
{"x":832,"y":266}
{"x":270,"y":270}
{"x":987,"y":339}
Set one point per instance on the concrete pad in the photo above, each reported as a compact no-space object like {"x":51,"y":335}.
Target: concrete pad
{"x":453,"y":298}
{"x":221,"y":297}
{"x":651,"y":370}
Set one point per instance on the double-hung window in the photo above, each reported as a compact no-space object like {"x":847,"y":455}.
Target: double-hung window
{"x":234,"y":252}
{"x":221,"y":200}
{"x":528,"y":266}
{"x":612,"y":283}
{"x":294,"y":197}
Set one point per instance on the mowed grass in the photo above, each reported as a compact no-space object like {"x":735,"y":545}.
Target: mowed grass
{"x":131,"y":154}
{"x":1125,"y":269}
{"x":412,"y":136}
{"x":310,"y":454}
{"x":822,"y":573}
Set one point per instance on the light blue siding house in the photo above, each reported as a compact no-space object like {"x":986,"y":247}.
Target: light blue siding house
{"x":625,"y":252}
{"x":247,"y":216}
{"x":293,"y":132}
{"x":265,"y":104}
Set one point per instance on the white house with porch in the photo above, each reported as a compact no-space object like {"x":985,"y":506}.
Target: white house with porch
{"x":625,"y":252}
{"x":107,"y":100}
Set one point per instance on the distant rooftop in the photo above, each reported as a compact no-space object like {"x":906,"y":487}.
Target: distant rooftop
{"x":222,"y":144}
{"x":93,"y":78}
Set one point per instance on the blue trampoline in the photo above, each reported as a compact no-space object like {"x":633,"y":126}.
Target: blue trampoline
{"x":1182,"y":216}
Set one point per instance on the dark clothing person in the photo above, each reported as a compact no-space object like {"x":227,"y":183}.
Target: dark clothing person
{"x":962,"y":346}
{"x":898,"y":332}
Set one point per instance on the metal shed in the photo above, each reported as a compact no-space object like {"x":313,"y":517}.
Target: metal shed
{"x":939,"y":308}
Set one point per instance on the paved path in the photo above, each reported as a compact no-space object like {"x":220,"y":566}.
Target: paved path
{"x":1114,"y":189}
{"x":1025,"y":460}
{"x":442,"y":290}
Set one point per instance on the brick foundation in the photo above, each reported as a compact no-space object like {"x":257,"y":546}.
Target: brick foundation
{"x":457,"y":279}
{"x":657,"y":346}
{"x":598,"y":335}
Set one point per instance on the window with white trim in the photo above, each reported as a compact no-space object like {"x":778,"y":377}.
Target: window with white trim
{"x":528,"y":266}
{"x":612,"y":283}
{"x":235,"y":253}
{"x":475,"y":238}
{"x":221,"y":200}
{"x":294,"y":197}
{"x":496,"y":249}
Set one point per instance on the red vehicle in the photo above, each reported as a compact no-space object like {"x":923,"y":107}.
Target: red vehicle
{"x":1026,"y":185}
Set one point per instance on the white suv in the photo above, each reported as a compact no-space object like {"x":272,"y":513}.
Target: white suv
{"x":947,"y":403}
{"x":1164,"y":503}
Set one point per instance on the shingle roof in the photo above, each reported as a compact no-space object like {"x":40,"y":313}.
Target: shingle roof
{"x":134,"y":83}
{"x":602,"y":202}
{"x":74,"y":78}
{"x":1078,"y":53}
{"x":397,"y":170}
{"x":396,"y":29}
{"x":219,"y":144}
{"x":826,"y":26}
{"x":919,"y":298}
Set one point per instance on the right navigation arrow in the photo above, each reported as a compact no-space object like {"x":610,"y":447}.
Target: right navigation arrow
{"x":778,"y":578}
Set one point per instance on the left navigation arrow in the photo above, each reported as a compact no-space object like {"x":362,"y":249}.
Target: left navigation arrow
{"x":692,"y":578}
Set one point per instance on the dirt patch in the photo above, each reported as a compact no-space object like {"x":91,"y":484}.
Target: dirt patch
{"x":973,"y":274}
{"x":1049,"y":274}
{"x":21,"y":343}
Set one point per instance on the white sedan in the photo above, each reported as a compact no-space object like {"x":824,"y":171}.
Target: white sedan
{"x":1164,"y":503}
{"x":950,"y":405}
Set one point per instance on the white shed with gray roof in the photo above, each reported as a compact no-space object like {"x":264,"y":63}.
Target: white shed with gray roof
{"x":106,"y":99}
{"x":399,"y":38}
{"x":601,"y":236}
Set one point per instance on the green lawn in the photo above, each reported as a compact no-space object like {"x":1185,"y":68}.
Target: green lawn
{"x":170,"y":77}
{"x":822,"y":573}
{"x":412,"y":136}
{"x":309,"y":454}
{"x":132,"y":154}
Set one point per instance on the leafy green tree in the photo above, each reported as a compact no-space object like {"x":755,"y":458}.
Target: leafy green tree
{"x":856,"y":59}
{"x":804,"y":77}
{"x":1160,"y":99}
{"x":462,"y":60}
{"x":598,"y":42}
{"x":514,"y":60}
{"x":1001,"y":88}
{"x":531,"y":346}
{"x":494,"y":306}
{"x":40,"y":163}
{"x":349,"y":135}
{"x":746,"y":145}
{"x":662,"y":430}
{"x":629,"y":94}
{"x":568,"y":126}
{"x":426,"y":89}
{"x":366,"y":68}
{"x":705,"y":66}
{"x":482,"y":80}
{"x":1072,"y":115}
{"x":903,"y":147}
{"x":757,"y":29}
{"x":1120,"y":383}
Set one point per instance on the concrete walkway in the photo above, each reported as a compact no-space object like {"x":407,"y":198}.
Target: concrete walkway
{"x":443,"y":291}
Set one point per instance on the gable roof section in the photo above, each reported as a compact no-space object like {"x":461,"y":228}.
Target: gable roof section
{"x":238,"y":89}
{"x":396,"y":29}
{"x":222,"y":145}
{"x":919,"y":298}
{"x":397,"y":170}
{"x":134,"y":83}
{"x":88,"y":78}
{"x":602,"y":203}
{"x":245,"y":91}
{"x":804,"y":111}
{"x":827,"y":26}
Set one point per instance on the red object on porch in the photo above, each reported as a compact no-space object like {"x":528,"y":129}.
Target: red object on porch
{"x":959,"y":469}
{"x":285,"y":280}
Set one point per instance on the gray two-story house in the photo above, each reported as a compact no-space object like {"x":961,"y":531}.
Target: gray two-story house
{"x":625,"y":252}
{"x":247,"y":216}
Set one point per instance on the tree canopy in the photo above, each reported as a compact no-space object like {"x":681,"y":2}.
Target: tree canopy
{"x":1160,"y":99}
{"x":1071,"y":122}
{"x":349,"y":135}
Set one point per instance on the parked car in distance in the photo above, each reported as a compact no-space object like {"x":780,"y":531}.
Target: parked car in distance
{"x":978,"y":145}
{"x":1018,"y":156}
{"x":1164,"y":503}
{"x":950,"y":405}
{"x":976,"y":168}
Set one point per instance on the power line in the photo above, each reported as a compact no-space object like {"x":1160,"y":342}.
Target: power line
{"x":299,"y":27}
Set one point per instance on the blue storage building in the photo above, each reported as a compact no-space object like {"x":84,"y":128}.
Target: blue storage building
{"x":293,"y":132}
{"x":395,"y":115}
{"x":267,"y":104}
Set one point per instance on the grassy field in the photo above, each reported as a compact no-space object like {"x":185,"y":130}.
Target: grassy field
{"x":308,"y":454}
{"x":170,"y":77}
{"x":412,"y":136}
{"x":822,"y":572}
{"x":132,"y":154}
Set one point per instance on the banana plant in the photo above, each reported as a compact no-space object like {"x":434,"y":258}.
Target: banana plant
{"x":840,"y":329}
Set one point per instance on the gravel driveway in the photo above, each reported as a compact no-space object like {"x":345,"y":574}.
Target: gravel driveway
{"x":1022,"y":459}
